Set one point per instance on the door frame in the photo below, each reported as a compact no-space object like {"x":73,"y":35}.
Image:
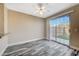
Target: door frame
{"x":48,"y":29}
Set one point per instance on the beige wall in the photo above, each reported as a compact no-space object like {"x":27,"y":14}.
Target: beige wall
{"x":74,"y":23}
{"x":23,"y":27}
{"x":3,"y":28}
{"x":1,"y":18}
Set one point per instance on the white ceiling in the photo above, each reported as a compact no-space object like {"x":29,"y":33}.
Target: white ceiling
{"x":30,"y":8}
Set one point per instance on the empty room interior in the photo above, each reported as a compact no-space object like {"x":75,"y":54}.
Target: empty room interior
{"x":39,"y":29}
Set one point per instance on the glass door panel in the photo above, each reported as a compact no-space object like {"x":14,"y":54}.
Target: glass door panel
{"x":59,"y":29}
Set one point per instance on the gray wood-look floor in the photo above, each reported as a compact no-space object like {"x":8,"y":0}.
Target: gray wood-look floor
{"x":38,"y":48}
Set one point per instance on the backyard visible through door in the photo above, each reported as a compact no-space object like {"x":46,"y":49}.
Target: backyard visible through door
{"x":59,"y":29}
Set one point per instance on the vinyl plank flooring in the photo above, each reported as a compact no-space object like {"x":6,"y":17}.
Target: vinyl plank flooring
{"x":38,"y":48}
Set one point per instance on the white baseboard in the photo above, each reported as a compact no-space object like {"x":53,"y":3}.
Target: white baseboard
{"x":24,"y":42}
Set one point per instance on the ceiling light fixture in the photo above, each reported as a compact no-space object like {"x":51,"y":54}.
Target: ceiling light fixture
{"x":41,"y":8}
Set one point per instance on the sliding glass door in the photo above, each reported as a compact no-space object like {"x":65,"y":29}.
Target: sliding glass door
{"x":59,"y":29}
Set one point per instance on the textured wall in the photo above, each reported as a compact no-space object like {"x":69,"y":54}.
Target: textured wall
{"x":23,"y":27}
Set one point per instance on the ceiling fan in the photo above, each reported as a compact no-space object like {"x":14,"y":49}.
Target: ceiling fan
{"x":41,"y":8}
